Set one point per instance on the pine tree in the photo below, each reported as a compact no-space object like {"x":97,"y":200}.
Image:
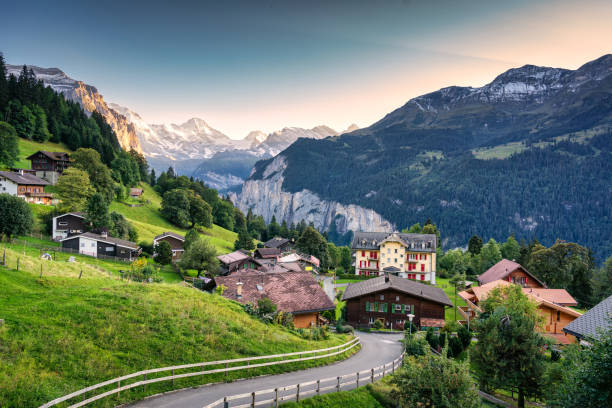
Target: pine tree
{"x":4,"y":91}
{"x":152,"y":178}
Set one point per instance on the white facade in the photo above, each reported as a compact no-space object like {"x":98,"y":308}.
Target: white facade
{"x":7,"y":186}
{"x":88,"y":246}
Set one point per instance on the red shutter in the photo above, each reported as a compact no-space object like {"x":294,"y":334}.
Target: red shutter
{"x":526,"y":280}
{"x":422,"y":267}
{"x":363,"y":253}
{"x":509,"y":278}
{"x":369,"y":263}
{"x":422,"y":277}
{"x":425,"y":256}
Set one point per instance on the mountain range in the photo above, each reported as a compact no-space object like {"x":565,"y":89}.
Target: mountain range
{"x":528,"y":154}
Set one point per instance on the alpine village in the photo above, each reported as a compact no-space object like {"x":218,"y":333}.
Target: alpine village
{"x":455,"y":253}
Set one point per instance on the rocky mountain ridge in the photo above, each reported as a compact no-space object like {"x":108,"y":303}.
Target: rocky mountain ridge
{"x":89,"y":98}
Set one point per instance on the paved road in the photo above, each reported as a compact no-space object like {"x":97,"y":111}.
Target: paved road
{"x":376,"y":349}
{"x":328,"y":287}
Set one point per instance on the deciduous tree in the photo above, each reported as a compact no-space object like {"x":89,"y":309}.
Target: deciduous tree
{"x":201,"y":256}
{"x":97,"y":212}
{"x":15,"y":216}
{"x":74,"y":189}
{"x":163,"y":253}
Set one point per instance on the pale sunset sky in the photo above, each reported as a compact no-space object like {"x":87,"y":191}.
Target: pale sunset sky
{"x":264,"y":65}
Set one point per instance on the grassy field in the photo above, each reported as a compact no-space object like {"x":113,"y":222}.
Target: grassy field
{"x":449,"y":289}
{"x":149,"y":222}
{"x":61,"y":334}
{"x":361,"y":397}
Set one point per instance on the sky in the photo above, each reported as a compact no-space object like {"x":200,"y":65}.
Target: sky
{"x":268,"y":64}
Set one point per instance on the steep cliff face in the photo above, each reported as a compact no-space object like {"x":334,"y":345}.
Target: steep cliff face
{"x":266,"y":198}
{"x":89,"y":98}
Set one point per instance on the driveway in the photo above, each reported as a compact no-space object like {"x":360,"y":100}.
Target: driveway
{"x":376,"y":349}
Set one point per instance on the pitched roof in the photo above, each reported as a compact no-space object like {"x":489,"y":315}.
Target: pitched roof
{"x":75,"y":213}
{"x":407,"y":286}
{"x":268,"y":252}
{"x":108,"y":239}
{"x":414,"y":242}
{"x":169,"y":234}
{"x":275,"y":242}
{"x":558,"y":296}
{"x":295,"y":257}
{"x":51,"y":155}
{"x":501,"y":270}
{"x":295,"y":292}
{"x":135,"y":191}
{"x":232,"y":257}
{"x":24,"y":179}
{"x":598,"y":318}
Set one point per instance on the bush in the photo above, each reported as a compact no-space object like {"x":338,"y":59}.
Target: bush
{"x":378,"y":324}
{"x":407,"y":325}
{"x":339,"y":294}
{"x":454,"y":347}
{"x":555,"y":355}
{"x":432,"y":338}
{"x":147,"y":248}
{"x":344,"y":328}
{"x":415,"y":346}
{"x":266,"y":306}
{"x":465,"y":336}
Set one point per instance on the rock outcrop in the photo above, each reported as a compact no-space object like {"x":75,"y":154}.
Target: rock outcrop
{"x":266,"y":197}
{"x":89,"y":98}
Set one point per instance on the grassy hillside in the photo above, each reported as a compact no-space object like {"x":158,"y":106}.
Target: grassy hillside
{"x":149,"y":222}
{"x":61,"y":334}
{"x":147,"y":219}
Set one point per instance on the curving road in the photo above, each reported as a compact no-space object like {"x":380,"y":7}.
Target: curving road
{"x":376,"y":349}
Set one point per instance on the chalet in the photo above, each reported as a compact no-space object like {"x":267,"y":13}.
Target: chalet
{"x":391,"y":299}
{"x":411,"y":256}
{"x":512,"y":272}
{"x":26,"y":186}
{"x":49,"y":165}
{"x":237,"y":260}
{"x":135,"y":192}
{"x":96,"y":245}
{"x":68,"y":224}
{"x":593,"y":323}
{"x":176,"y":242}
{"x":282,"y":244}
{"x":267,"y":253}
{"x":297,"y":293}
{"x":552,"y":306}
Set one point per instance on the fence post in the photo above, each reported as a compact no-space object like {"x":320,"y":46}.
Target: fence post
{"x":338,"y":385}
{"x":226,"y":365}
{"x":253,"y":400}
{"x":144,"y":386}
{"x":40,"y":270}
{"x":357,"y":380}
{"x":384,"y":370}
{"x":118,"y":388}
{"x":297,"y":394}
{"x":318,"y":387}
{"x":81,"y":274}
{"x":225,"y":402}
{"x":372,"y":377}
{"x":276,"y":397}
{"x":173,"y":378}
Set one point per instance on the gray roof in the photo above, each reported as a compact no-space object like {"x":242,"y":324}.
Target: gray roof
{"x":404,"y":285}
{"x":415,"y":242}
{"x":119,"y":242}
{"x":24,"y":179}
{"x":275,"y":242}
{"x":170,"y":234}
{"x":589,"y":325}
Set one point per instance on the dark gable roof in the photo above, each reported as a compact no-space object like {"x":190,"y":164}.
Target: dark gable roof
{"x":295,"y":292}
{"x":593,"y":322}
{"x":108,"y":239}
{"x":268,"y":252}
{"x":407,"y":286}
{"x":275,"y":242}
{"x":52,"y":155}
{"x":415,"y":242}
{"x":24,"y":179}
{"x":169,"y":234}
{"x":501,"y":270}
{"x":75,"y":214}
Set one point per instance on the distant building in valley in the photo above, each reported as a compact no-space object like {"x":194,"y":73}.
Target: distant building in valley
{"x":411,"y":256}
{"x":49,"y":165}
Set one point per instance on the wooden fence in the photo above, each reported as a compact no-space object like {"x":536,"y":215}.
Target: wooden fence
{"x":226,"y":366}
{"x":276,"y":396}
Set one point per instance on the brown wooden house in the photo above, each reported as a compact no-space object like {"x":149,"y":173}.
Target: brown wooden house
{"x":49,"y":165}
{"x":512,"y":272}
{"x":176,"y":242}
{"x":237,"y":260}
{"x":282,"y":244}
{"x":391,"y":299}
{"x":297,"y":293}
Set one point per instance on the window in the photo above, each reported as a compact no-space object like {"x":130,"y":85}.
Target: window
{"x":425,"y":256}
{"x":395,"y":260}
{"x":109,"y":249}
{"x":397,"y":298}
{"x":388,"y":250}
{"x":388,"y":259}
{"x":62,"y":223}
{"x":82,"y":244}
{"x":382,"y":297}
{"x":367,"y":306}
{"x":375,"y":306}
{"x":397,"y":308}
{"x":93,"y":244}
{"x":558,"y":315}
{"x":396,"y":250}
